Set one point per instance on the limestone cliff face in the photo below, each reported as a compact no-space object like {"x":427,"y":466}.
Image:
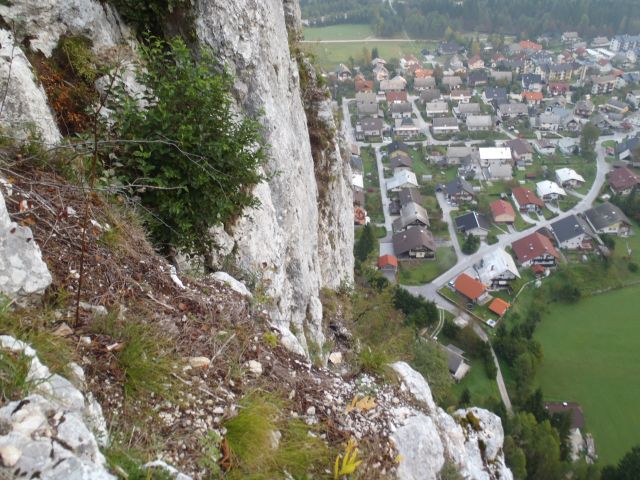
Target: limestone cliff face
{"x":297,"y":243}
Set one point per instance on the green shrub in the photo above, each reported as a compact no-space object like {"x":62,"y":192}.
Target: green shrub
{"x":75,"y":53}
{"x":149,"y":15}
{"x":199,"y":157}
{"x":14,"y":372}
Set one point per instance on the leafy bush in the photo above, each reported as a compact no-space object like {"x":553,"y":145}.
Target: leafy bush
{"x":149,"y":15}
{"x":200,"y":158}
{"x":75,"y":54}
{"x":365,"y":243}
{"x":471,"y":244}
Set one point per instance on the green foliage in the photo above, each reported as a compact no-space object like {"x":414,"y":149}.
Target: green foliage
{"x":374,"y":360}
{"x":210,"y":454}
{"x":566,"y":293}
{"x":145,"y":359}
{"x":150,"y":15}
{"x":199,"y":157}
{"x":365,"y":243}
{"x":129,"y":466}
{"x":420,"y":312}
{"x":588,"y":139}
{"x":471,"y":244}
{"x":250,"y":436}
{"x":627,"y":468}
{"x":465,"y":398}
{"x":270,"y":339}
{"x":14,"y":372}
{"x":431,"y":362}
{"x":75,"y":54}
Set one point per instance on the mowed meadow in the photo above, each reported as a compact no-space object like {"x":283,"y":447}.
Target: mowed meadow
{"x":591,"y":356}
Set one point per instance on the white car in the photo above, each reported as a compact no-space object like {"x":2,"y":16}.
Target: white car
{"x":491,"y":323}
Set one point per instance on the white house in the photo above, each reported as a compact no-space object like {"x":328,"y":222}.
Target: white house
{"x":496,"y":269}
{"x":402,"y":179}
{"x":479,"y":123}
{"x":357,"y":180}
{"x":494,"y":155}
{"x":569,"y":178}
{"x":436,"y":108}
{"x":548,"y":190}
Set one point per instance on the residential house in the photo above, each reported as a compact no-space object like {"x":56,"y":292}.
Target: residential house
{"x":445,"y":125}
{"x":367,"y":104}
{"x":496,"y":269}
{"x":544,"y":146}
{"x":455,"y":64}
{"x":411,"y":215}
{"x":409,"y":195}
{"x":380,"y":73}
{"x":568,"y":145}
{"x":548,"y":190}
{"x":402,"y":179}
{"x":572,"y":233}
{"x":526,"y":201}
{"x":533,"y":98}
{"x":397,"y":145}
{"x":464,"y":109}
{"x":535,"y":249}
{"x":388,"y":264}
{"x":400,"y":110}
{"x":436,"y":108}
{"x":420,"y":84}
{"x":357,"y":180}
{"x":498,"y":76}
{"x":460,"y":96}
{"x":603,"y":84}
{"x":414,"y":242}
{"x":584,"y":108}
{"x":401,"y":160}
{"x":623,"y":181}
{"x":452,"y":81}
{"x":397,"y":84}
{"x":569,"y":178}
{"x":558,"y":88}
{"x":521,"y":150}
{"x":616,"y":106}
{"x":477,"y":78}
{"x":423,"y":73}
{"x":473,"y":223}
{"x":512,"y":110}
{"x":363,"y":85}
{"x":476,"y":63}
{"x":491,"y":94}
{"x":500,"y":171}
{"x":502,"y":212}
{"x":548,"y":121}
{"x":405,"y":128}
{"x":455,"y":155}
{"x":608,"y":219}
{"x":494,"y":154}
{"x":369,"y":127}
{"x":396,"y":97}
{"x":625,"y":149}
{"x":499,"y":306}
{"x":529,"y":45}
{"x":429,"y":95}
{"x":633,"y":97}
{"x":476,"y":123}
{"x":408,"y":62}
{"x":559,"y":72}
{"x":343,"y":73}
{"x":470,"y":288}
{"x":456,"y":362}
{"x":532,"y":82}
{"x":459,"y":191}
{"x":448,"y":48}
{"x":600,"y":42}
{"x":624,"y":43}
{"x":570,"y":37}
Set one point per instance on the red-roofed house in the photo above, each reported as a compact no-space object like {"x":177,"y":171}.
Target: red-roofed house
{"x":388,"y":263}
{"x":526,"y":200}
{"x":502,"y":212}
{"x":476,"y":63}
{"x":558,"y":88}
{"x":423,"y":73}
{"x":533,"y":98}
{"x":535,"y":249}
{"x":499,"y":306}
{"x":396,"y":97}
{"x":362,"y":84}
{"x":623,"y":180}
{"x":529,"y":45}
{"x":471,"y":288}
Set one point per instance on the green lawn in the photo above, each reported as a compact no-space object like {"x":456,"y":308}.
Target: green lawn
{"x":484,"y":390}
{"x":347,"y":31}
{"x":417,"y":272}
{"x":373,"y":200}
{"x":591,"y":356}
{"x":329,"y":55}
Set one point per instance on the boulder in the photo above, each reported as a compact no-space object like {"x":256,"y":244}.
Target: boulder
{"x":420,"y":448}
{"x":415,"y":383}
{"x":235,"y":285}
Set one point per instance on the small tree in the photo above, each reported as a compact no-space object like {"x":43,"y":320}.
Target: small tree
{"x":471,"y":244}
{"x":364,"y":245}
{"x":185,"y":142}
{"x":590,"y":135}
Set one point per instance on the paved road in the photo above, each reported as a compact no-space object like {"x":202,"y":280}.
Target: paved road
{"x":446,"y":216}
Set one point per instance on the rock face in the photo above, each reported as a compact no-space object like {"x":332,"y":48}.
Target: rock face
{"x":296,"y":246}
{"x":22,"y":270}
{"x":471,"y":439}
{"x":49,"y":433}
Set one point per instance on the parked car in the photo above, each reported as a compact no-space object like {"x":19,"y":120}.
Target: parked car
{"x":491,"y":322}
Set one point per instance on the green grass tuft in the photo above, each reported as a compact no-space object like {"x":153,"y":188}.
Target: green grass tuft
{"x":14,"y":372}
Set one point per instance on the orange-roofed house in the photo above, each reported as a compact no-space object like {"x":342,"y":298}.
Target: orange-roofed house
{"x":363,"y":85}
{"x":476,"y":63}
{"x":499,"y":306}
{"x":533,"y":98}
{"x":388,"y":263}
{"x":423,"y":73}
{"x":502,"y":212}
{"x":529,"y":45}
{"x":471,"y":288}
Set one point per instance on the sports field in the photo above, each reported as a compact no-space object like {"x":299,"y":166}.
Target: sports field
{"x":592,"y":356}
{"x":338,"y":32}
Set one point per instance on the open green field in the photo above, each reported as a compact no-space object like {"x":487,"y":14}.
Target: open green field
{"x":347,"y":31}
{"x":591,"y":356}
{"x":417,"y":272}
{"x":329,"y":55}
{"x":484,"y":391}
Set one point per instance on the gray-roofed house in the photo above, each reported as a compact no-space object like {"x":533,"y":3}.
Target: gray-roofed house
{"x":367,"y":104}
{"x":435,"y":108}
{"x":369,"y":127}
{"x":429,"y":95}
{"x":405,"y":127}
{"x":459,"y":191}
{"x":456,"y":362}
{"x":513,"y":110}
{"x":456,"y":154}
{"x":521,"y":150}
{"x":401,"y":110}
{"x":445,"y":125}
{"x":476,"y":123}
{"x":548,"y":121}
{"x":411,"y":215}
{"x":608,"y":218}
{"x":399,"y":162}
{"x":414,"y":242}
{"x":473,"y":223}
{"x":452,"y":81}
{"x":423,"y":83}
{"x":409,"y":195}
{"x":572,"y":233}
{"x":464,"y":109}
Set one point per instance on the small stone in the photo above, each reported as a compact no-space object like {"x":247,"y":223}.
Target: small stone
{"x":335,"y":358}
{"x":63,"y":330}
{"x":199,"y":362}
{"x":85,"y":340}
{"x":255,"y":367}
{"x":311,"y":410}
{"x":218,"y":411}
{"x":9,"y":455}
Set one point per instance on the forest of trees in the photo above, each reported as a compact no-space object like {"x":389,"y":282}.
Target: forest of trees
{"x":525,"y":18}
